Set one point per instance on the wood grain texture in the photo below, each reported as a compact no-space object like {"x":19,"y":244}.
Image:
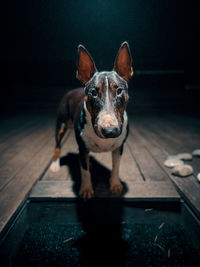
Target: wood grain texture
{"x":19,"y":160}
{"x":139,"y":191}
{"x":128,"y":168}
{"x":15,"y":143}
{"x":159,"y":146}
{"x":149,"y":168}
{"x":29,"y":150}
{"x":11,"y":126}
{"x":22,"y":180}
{"x":182,"y":135}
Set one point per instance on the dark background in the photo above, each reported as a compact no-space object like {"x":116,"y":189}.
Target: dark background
{"x":39,"y":50}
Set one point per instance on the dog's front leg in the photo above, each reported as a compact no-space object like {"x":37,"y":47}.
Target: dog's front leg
{"x":86,"y":190}
{"x":115,"y":184}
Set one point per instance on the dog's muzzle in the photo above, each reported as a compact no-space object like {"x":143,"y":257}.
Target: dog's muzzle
{"x":111,"y":132}
{"x":107,"y":126}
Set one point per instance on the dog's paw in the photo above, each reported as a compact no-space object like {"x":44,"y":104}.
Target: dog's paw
{"x":86,"y":192}
{"x":116,"y":187}
{"x":55,"y":166}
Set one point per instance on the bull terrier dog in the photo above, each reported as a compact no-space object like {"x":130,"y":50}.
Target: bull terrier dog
{"x":98,"y":113}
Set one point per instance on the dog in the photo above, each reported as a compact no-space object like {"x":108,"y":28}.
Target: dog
{"x":98,"y":112}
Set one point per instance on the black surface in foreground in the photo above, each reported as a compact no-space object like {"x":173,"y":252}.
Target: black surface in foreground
{"x":138,"y":244}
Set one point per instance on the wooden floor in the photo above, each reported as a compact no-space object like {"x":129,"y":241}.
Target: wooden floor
{"x":27,"y":143}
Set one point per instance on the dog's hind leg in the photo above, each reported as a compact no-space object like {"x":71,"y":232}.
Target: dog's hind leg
{"x":61,"y":129}
{"x":115,"y":184}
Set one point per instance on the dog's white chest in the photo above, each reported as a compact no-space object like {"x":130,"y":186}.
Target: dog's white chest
{"x":97,"y":144}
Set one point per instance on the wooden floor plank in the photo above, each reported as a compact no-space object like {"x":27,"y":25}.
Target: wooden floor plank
{"x":129,"y":171}
{"x":16,"y":191}
{"x":12,"y":146}
{"x":179,"y":135}
{"x":128,"y":168}
{"x":188,"y":187}
{"x":182,"y":137}
{"x":147,"y":147}
{"x":148,"y":166}
{"x":17,"y":163}
{"x":9,"y":123}
{"x":177,"y":138}
{"x":14,"y":126}
{"x":141,"y":191}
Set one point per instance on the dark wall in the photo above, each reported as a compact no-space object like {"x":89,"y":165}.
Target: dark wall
{"x":44,"y":34}
{"x":39,"y":40}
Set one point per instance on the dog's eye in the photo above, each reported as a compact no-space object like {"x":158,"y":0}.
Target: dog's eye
{"x":119,"y":91}
{"x":94,"y":92}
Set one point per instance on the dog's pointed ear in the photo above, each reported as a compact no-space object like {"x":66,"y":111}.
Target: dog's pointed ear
{"x":123,"y":62}
{"x":86,"y":66}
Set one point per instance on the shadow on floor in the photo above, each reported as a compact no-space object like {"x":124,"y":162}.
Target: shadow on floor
{"x":104,"y":231}
{"x":99,"y":173}
{"x":101,"y":217}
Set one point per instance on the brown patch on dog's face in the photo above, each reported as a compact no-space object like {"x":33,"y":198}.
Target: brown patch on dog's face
{"x":113,"y":85}
{"x":106,"y":94}
{"x":99,"y":86}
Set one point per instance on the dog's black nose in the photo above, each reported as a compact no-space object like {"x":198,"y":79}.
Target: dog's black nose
{"x":110,"y":132}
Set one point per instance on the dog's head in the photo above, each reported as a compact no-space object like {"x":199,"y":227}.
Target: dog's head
{"x":106,"y":92}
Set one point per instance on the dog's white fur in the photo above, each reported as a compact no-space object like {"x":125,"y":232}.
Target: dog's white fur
{"x":97,"y":144}
{"x":55,"y":165}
